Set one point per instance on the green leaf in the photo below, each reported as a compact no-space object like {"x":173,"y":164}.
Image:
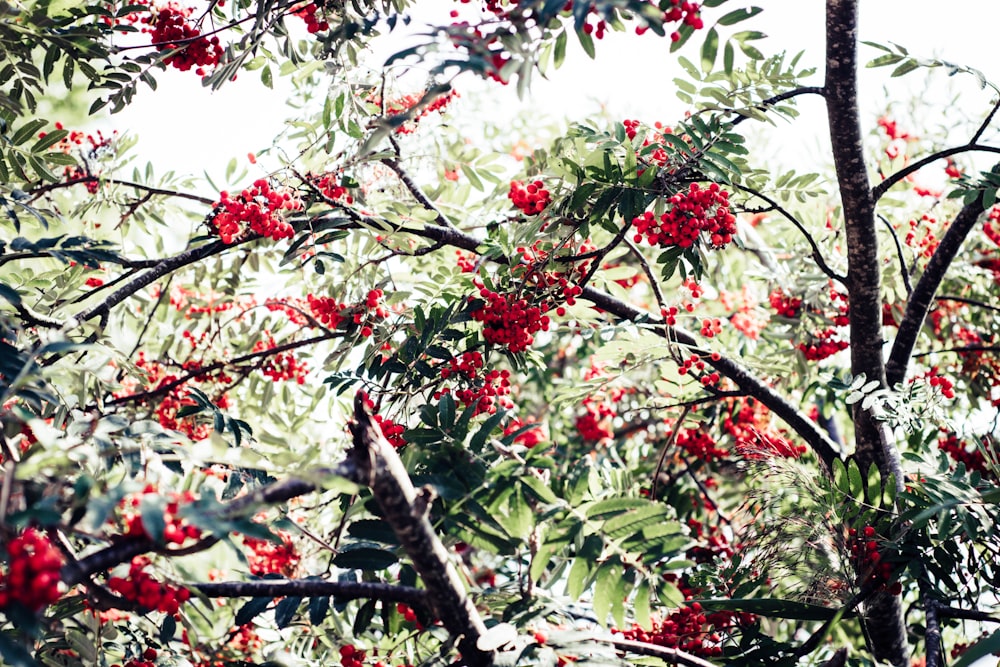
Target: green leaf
{"x":319,"y":607}
{"x":633,"y":522}
{"x":854,"y":479}
{"x":48,"y":140}
{"x":560,"y":49}
{"x":709,"y":50}
{"x":738,"y":15}
{"x":641,"y":606}
{"x":284,"y":613}
{"x":27,"y":131}
{"x":250,"y":610}
{"x":365,"y":558}
{"x":772,"y":608}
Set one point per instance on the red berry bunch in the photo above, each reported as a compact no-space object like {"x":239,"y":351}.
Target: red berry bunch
{"x":487,"y":391}
{"x":531,"y":198}
{"x":172,"y":31}
{"x":282,"y":365}
{"x":508,"y":320}
{"x":960,"y":452}
{"x":331,"y":187}
{"x":595,"y":424}
{"x":785,"y":305}
{"x":700,"y":445}
{"x":750,"y":426}
{"x":352,"y":656}
{"x":530,"y":437}
{"x":312,"y":14}
{"x":404,"y":105}
{"x":688,"y":13}
{"x":868,"y":560}
{"x":327,"y":310}
{"x":32,"y":578}
{"x":140,"y":587}
{"x":257,"y":208}
{"x":270,"y":557}
{"x":691,"y":214}
{"x":823,"y":344}
{"x":176,"y":530}
{"x":148,"y":659}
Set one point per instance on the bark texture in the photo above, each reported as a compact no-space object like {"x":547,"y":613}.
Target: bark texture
{"x":873,"y":442}
{"x":405,"y":510}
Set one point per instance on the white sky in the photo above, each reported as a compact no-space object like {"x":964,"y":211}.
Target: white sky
{"x":185,"y":127}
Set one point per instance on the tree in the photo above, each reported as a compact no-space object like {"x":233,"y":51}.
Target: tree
{"x":404,"y":399}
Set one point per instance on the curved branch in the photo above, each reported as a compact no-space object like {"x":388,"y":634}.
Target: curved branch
{"x":151,"y":190}
{"x":781,"y":97}
{"x":816,"y":254}
{"x":125,"y":550}
{"x":346,"y":590}
{"x":971,"y":302}
{"x":218,"y":365}
{"x":750,"y":384}
{"x":899,"y":255}
{"x":892,"y":179}
{"x":920,"y":300}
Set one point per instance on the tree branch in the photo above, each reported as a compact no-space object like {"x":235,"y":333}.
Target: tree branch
{"x":923,"y":293}
{"x":816,"y":254}
{"x":346,"y":590}
{"x":892,"y":179}
{"x":751,"y":385}
{"x":151,"y":190}
{"x":781,"y":97}
{"x":670,"y":655}
{"x":406,"y":511}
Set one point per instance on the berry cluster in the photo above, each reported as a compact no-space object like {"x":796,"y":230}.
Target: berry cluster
{"x":407,"y":105}
{"x":693,"y":213}
{"x":176,"y":530}
{"x":172,"y":31}
{"x":140,"y":587}
{"x":147,"y":659}
{"x":868,"y":561}
{"x":257,"y":208}
{"x":531,"y":198}
{"x":784,"y":304}
{"x":750,"y":426}
{"x":700,"y":445}
{"x":32,"y":578}
{"x":331,"y":185}
{"x":312,"y":14}
{"x":823,"y":343}
{"x":596,"y":423}
{"x":282,"y":365}
{"x":352,"y":656}
{"x":270,"y":557}
{"x":509,"y":320}
{"x":392,"y":431}
{"x":960,"y":452}
{"x":487,"y":391}
{"x":532,"y":435}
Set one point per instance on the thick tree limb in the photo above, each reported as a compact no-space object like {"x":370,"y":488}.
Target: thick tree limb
{"x":669,"y":655}
{"x":923,"y":293}
{"x":346,"y":590}
{"x":873,"y":443}
{"x":405,"y":510}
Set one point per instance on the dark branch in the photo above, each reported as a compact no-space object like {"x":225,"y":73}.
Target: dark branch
{"x":816,"y":254}
{"x":670,"y":655}
{"x":345,"y":590}
{"x":923,"y":293}
{"x":892,"y":179}
{"x":148,"y":189}
{"x":971,"y":302}
{"x":781,"y":97}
